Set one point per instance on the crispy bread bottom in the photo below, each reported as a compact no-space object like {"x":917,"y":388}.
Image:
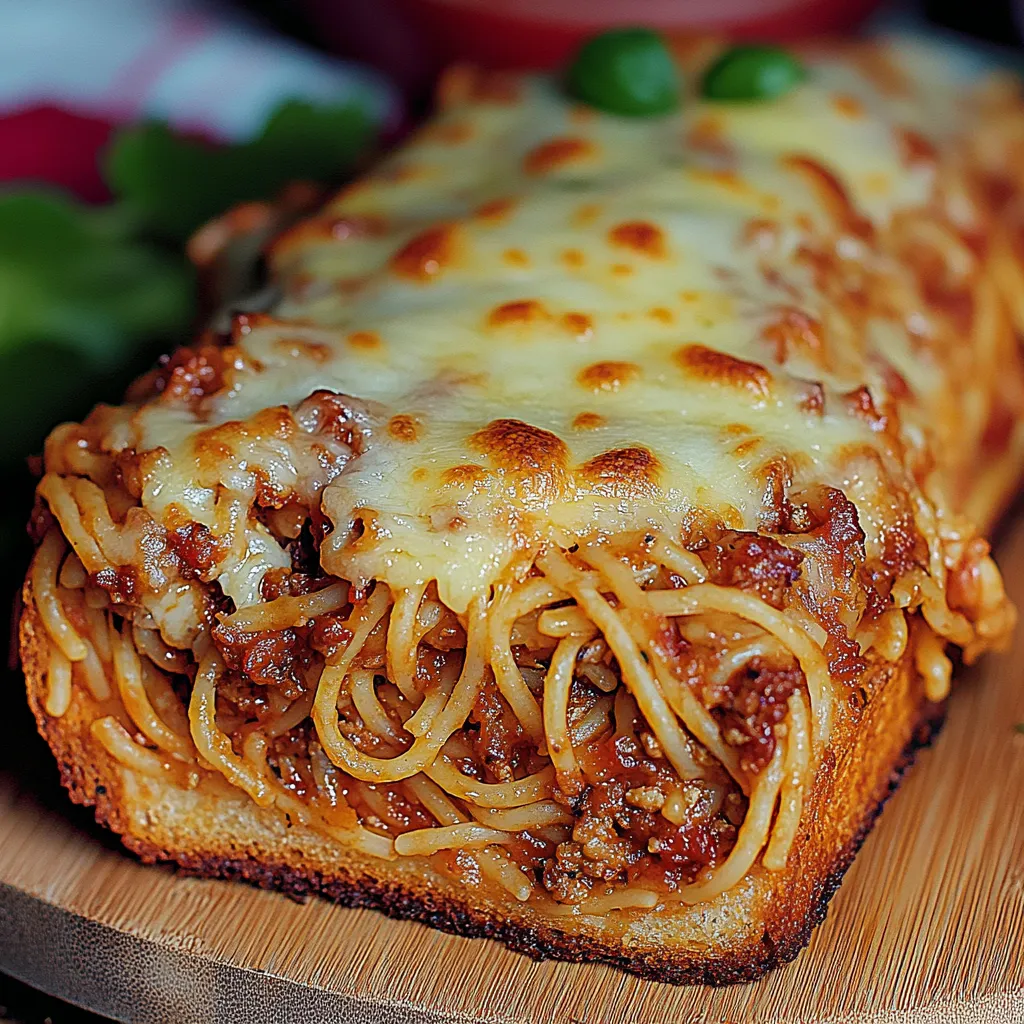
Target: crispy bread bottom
{"x":216,"y":831}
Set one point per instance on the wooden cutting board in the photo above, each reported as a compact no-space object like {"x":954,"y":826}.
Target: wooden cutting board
{"x":928,"y":927}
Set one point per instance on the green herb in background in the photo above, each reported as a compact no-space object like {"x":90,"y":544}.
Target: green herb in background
{"x":89,"y":295}
{"x":76,"y":296}
{"x":1019,"y":727}
{"x":173,"y":185}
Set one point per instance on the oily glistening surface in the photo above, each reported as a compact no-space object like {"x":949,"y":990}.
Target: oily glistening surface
{"x":584,"y":480}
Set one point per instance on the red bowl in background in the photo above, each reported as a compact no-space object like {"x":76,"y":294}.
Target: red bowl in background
{"x":410,"y":39}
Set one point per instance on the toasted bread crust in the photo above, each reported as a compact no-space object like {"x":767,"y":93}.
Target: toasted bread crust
{"x":765,"y":925}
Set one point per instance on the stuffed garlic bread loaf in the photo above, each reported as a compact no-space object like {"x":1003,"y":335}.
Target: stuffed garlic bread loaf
{"x":575,"y":553}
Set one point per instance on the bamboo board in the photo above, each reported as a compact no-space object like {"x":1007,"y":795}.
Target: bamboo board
{"x":928,"y":927}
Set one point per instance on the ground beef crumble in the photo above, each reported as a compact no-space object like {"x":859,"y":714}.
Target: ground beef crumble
{"x":621,"y":834}
{"x":498,"y":740}
{"x":267,"y":657}
{"x":750,"y":706}
{"x":750,"y":561}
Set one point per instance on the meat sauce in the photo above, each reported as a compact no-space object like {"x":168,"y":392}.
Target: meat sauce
{"x":189,"y":375}
{"x":635,"y":821}
{"x":750,"y":561}
{"x":621,"y":834}
{"x":501,"y":746}
{"x":750,"y":706}
{"x":267,"y":657}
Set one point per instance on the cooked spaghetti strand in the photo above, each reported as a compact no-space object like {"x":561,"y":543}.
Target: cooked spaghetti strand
{"x":45,"y":567}
{"x":635,"y":672}
{"x":795,"y":782}
{"x":213,"y":745}
{"x":711,"y":597}
{"x":402,"y":641}
{"x":424,"y":748}
{"x":556,"y":707}
{"x":132,"y":690}
{"x":518,"y":602}
{"x":752,"y":837}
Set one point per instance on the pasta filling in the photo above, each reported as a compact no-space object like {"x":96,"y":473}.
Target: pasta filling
{"x":634,"y":718}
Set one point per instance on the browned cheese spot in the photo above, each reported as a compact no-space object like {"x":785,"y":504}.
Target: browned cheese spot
{"x":366,"y":532}
{"x":212,"y":447}
{"x":579,"y":325}
{"x":573,"y":258}
{"x":760,"y":233}
{"x":519,"y":313}
{"x":848,"y":106}
{"x":708,"y":136}
{"x":585,"y":215}
{"x":298,"y":348}
{"x":327,"y":228}
{"x":661,"y":314}
{"x":631,"y":472}
{"x":403,"y":427}
{"x":533,"y":460}
{"x":641,"y":237}
{"x":516,"y":258}
{"x":860,"y":404}
{"x":747,"y":447}
{"x":725,"y":179}
{"x":896,"y":385}
{"x":557,"y":153}
{"x":793,"y":332}
{"x":495,"y":210}
{"x":812,"y":399}
{"x":831,"y":193}
{"x":274,"y":421}
{"x":621,"y":269}
{"x":714,"y":367}
{"x":915,"y":149}
{"x":776,"y":478}
{"x":466,"y":474}
{"x":425,"y":256}
{"x":588,"y":421}
{"x":607,"y":376}
{"x":364,"y":339}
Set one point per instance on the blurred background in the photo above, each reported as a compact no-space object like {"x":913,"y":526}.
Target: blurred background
{"x":127,"y":127}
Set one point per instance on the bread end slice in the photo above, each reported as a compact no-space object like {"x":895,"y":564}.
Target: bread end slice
{"x":215,"y":831}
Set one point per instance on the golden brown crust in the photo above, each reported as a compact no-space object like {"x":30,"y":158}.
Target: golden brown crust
{"x":214,"y":832}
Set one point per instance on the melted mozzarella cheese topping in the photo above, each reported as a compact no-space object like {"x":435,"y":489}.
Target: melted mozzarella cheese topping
{"x":560,"y":322}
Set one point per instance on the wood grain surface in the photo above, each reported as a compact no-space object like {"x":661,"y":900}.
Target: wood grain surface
{"x":928,"y":927}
